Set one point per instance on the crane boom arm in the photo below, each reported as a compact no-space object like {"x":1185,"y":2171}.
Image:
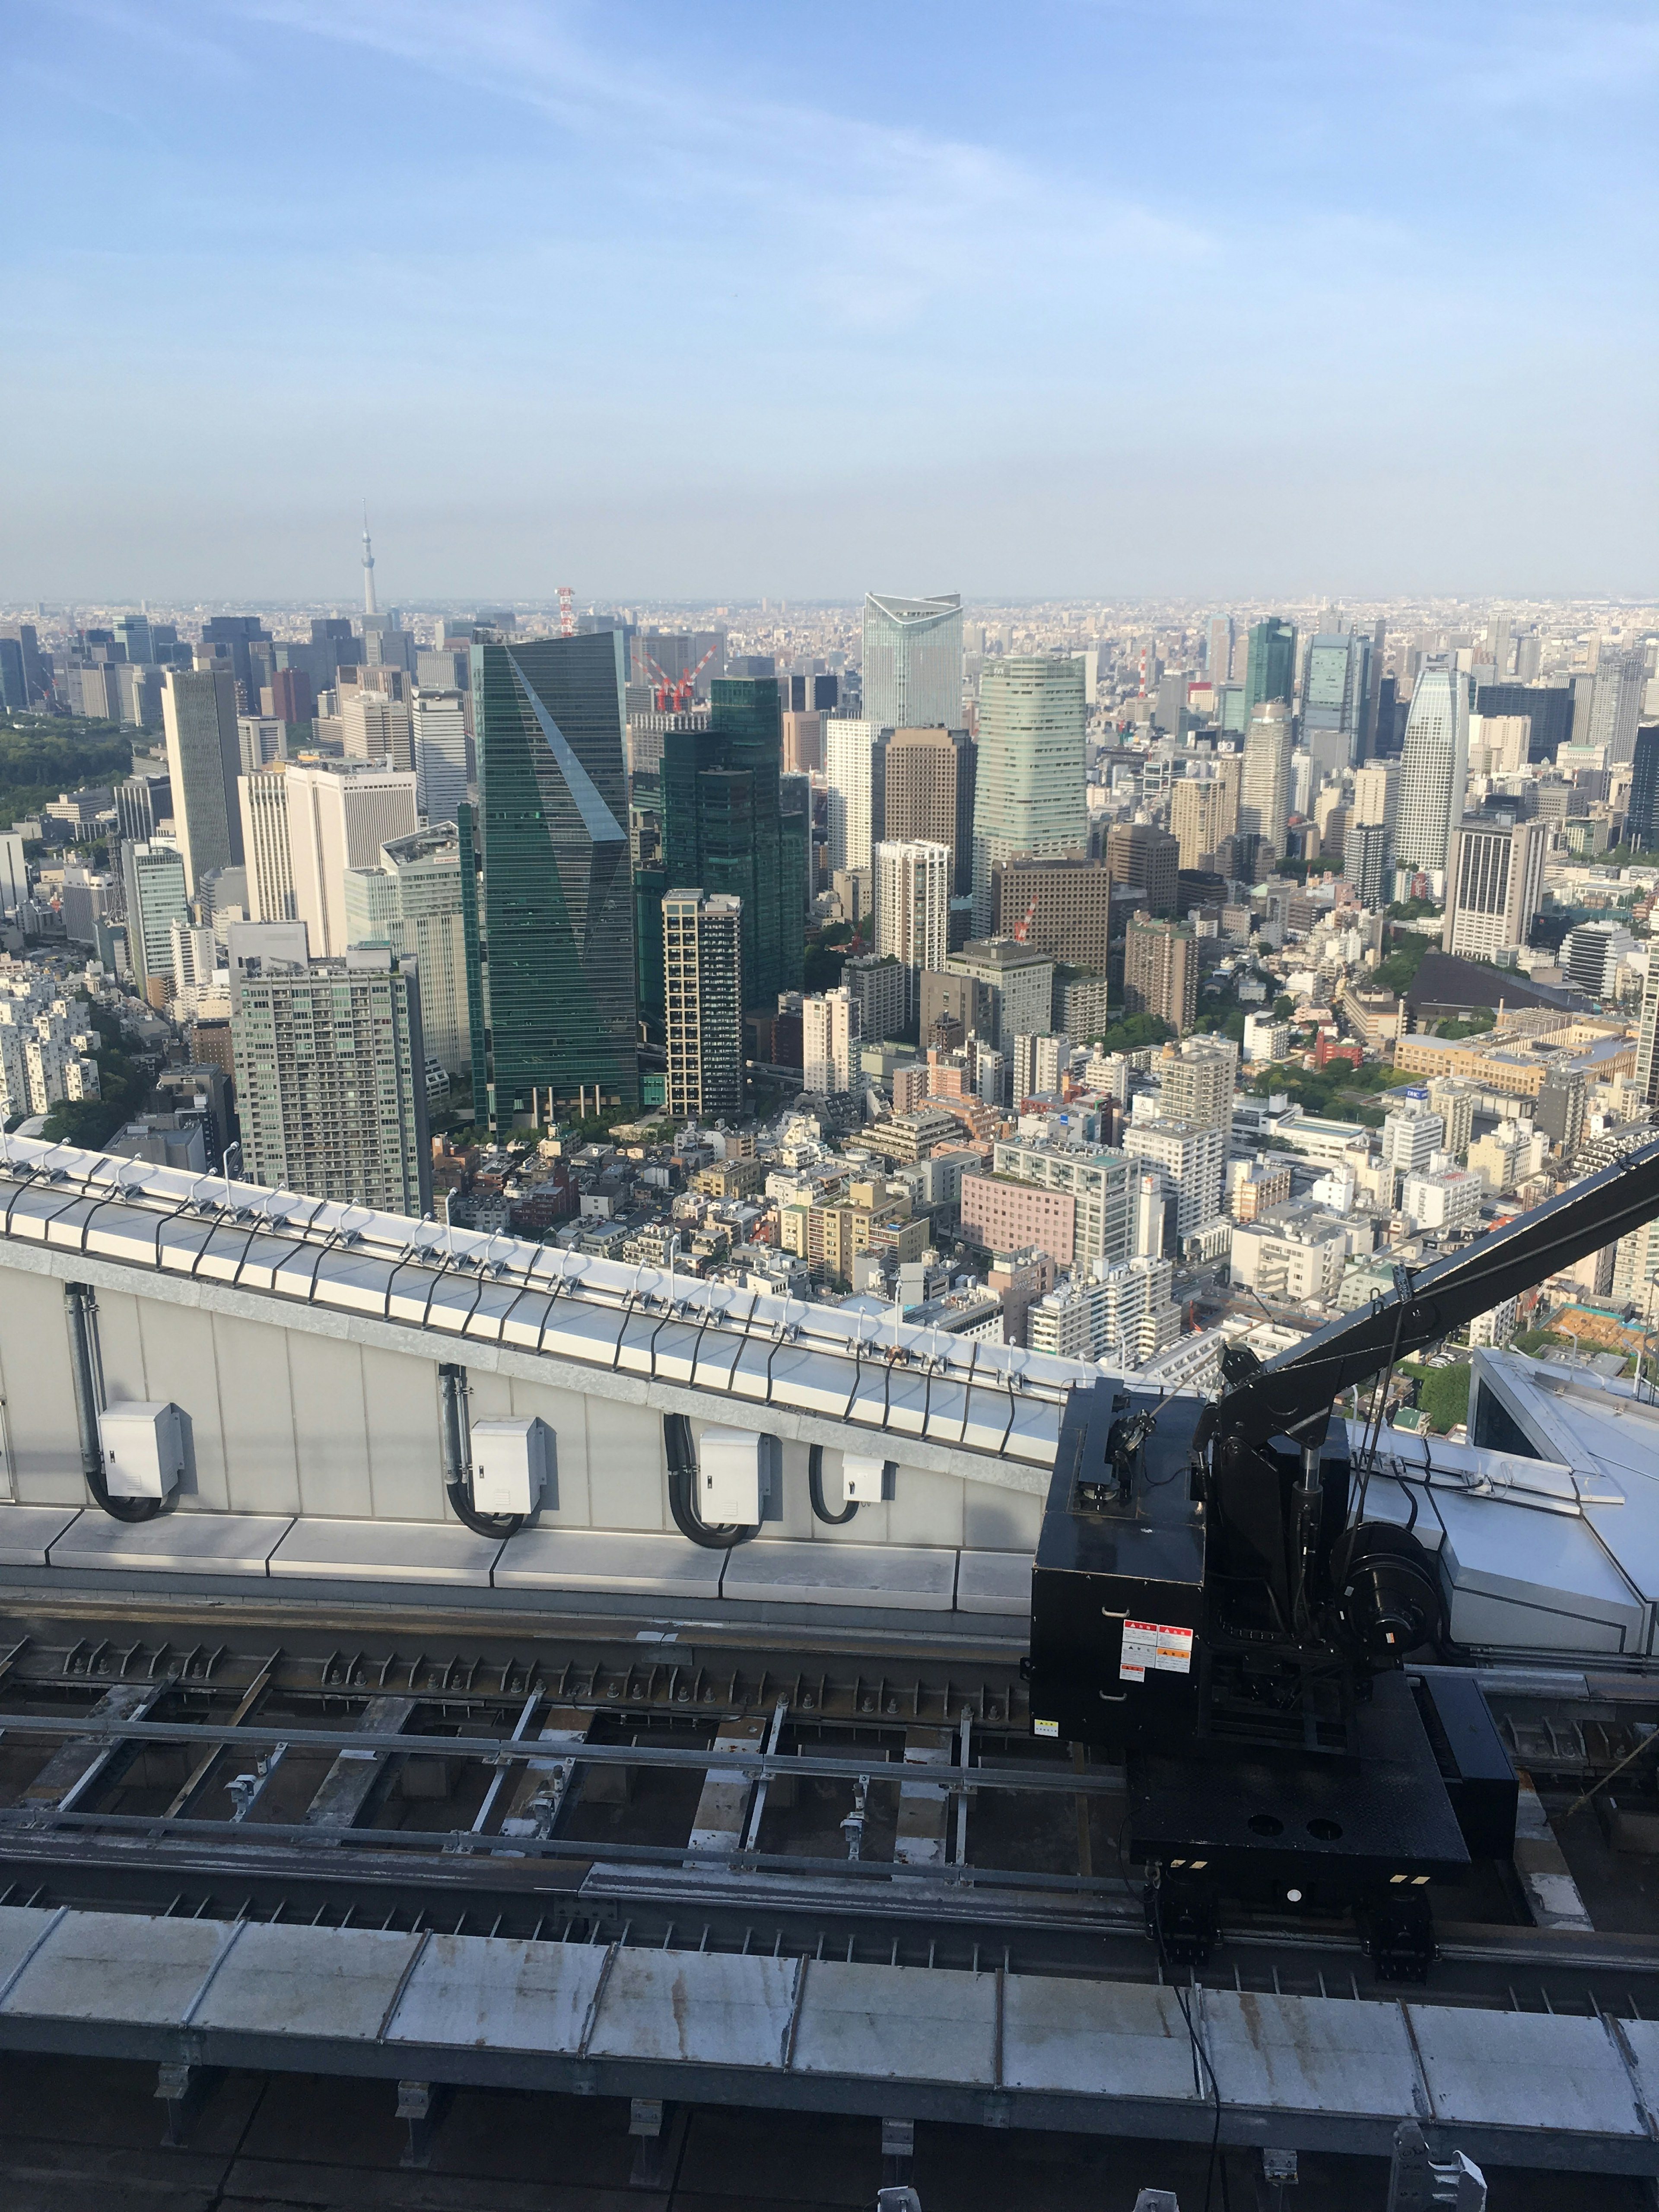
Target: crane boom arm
{"x":1300,"y":1386}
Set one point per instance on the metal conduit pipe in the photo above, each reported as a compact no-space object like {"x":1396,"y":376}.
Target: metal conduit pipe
{"x":454,"y":1429}
{"x":83,"y":1379}
{"x":815,"y":1491}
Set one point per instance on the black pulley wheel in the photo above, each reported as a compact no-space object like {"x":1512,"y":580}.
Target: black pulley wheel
{"x":1387,"y":1593}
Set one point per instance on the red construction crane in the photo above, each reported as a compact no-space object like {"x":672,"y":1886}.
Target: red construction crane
{"x":674,"y":694}
{"x":567,"y":610}
{"x":1023,"y":929}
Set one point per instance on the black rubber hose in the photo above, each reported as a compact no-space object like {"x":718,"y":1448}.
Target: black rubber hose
{"x":682,"y":1455}
{"x":130,"y":1509}
{"x":815,"y":1488}
{"x":451,"y":1403}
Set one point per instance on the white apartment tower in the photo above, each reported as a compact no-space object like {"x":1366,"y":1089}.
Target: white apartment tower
{"x":847,"y":765}
{"x":912,"y":885}
{"x":1265,"y":800}
{"x":262,"y":801}
{"x":438,"y":722}
{"x":829,"y":1041}
{"x":1434,"y":764}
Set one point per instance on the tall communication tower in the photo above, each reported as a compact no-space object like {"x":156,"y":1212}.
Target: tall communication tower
{"x":567,"y":610}
{"x":369,"y":607}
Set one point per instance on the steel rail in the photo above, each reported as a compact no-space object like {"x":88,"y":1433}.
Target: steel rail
{"x":751,"y":1766}
{"x":450,"y":1846}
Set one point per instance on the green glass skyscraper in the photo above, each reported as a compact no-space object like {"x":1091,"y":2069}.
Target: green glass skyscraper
{"x":1270,"y":669}
{"x":548,"y":902}
{"x":725,"y":829}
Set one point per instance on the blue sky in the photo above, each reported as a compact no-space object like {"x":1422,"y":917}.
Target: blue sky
{"x":1168,"y":296}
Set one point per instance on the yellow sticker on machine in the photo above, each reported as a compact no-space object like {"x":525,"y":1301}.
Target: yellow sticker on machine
{"x":1156,"y":1644}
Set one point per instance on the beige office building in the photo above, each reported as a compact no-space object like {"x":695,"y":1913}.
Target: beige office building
{"x":338,"y":817}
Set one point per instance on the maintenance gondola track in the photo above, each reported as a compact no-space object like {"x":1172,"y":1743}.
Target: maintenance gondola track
{"x":473,"y":1702}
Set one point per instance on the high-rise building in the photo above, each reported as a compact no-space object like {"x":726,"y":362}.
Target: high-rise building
{"x":733,"y":823}
{"x":331,"y":1079}
{"x":880,"y":994}
{"x":1642,"y":826}
{"x":847,"y":770}
{"x":1366,"y":861}
{"x":260,"y":739}
{"x":376,"y":726}
{"x":1615,"y":703}
{"x":1265,"y":792}
{"x":438,"y":727}
{"x":1160,"y":971}
{"x":204,"y":762}
{"x":921,"y":791}
{"x":829,"y":1041}
{"x":1143,"y":858}
{"x":412,"y":901}
{"x":157,"y":897}
{"x":912,"y":908}
{"x":549,"y":899}
{"x":1546,"y":710}
{"x":913,"y":662}
{"x":235,"y":637}
{"x":339,"y":815}
{"x":1335,"y":687}
{"x":1194,"y":1162}
{"x":1270,"y":669}
{"x":1219,"y":648}
{"x":703,"y":996}
{"x":803,"y":743}
{"x":1196,"y":1080}
{"x":1203,"y":809}
{"x":141,"y":801}
{"x":263,"y":809}
{"x":1062,"y":907}
{"x":292,"y":699}
{"x":1433,"y":768}
{"x":1494,"y":883}
{"x":1015,"y":989}
{"x":1029,"y":783}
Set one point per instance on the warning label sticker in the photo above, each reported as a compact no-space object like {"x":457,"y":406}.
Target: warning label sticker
{"x":1150,"y":1644}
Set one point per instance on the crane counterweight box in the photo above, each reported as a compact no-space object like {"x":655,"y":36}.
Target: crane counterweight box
{"x":143,"y":1448}
{"x":510,"y":1465}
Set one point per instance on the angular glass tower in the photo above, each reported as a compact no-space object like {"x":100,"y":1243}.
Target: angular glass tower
{"x":733,"y":824}
{"x":1270,"y":666}
{"x":913,"y":663}
{"x":548,"y":902}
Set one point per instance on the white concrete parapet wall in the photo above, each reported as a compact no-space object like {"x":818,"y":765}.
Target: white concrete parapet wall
{"x":303,"y":1339}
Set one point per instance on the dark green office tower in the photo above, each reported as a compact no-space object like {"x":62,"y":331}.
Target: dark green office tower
{"x":1270,"y":670}
{"x":725,"y":829}
{"x":548,"y":912}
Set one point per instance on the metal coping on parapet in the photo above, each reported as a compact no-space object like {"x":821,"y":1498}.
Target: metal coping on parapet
{"x":1022,"y":1393}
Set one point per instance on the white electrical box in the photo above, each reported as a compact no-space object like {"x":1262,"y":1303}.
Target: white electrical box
{"x":866,"y":1481}
{"x":143,"y":1448}
{"x":510,"y":1463}
{"x":736,"y":1472}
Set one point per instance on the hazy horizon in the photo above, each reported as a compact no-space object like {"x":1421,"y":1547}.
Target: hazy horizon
{"x":1112,"y":301}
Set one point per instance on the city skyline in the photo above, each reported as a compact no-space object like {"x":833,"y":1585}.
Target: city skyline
{"x":1016,"y":307}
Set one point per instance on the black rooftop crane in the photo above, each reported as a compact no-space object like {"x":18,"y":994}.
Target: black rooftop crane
{"x":1212,"y":1603}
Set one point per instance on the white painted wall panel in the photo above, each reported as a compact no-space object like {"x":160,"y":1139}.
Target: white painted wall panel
{"x":626,"y":1467}
{"x":406,"y":1455}
{"x":256,"y":1414}
{"x":34,"y":1369}
{"x":326,"y":1377}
